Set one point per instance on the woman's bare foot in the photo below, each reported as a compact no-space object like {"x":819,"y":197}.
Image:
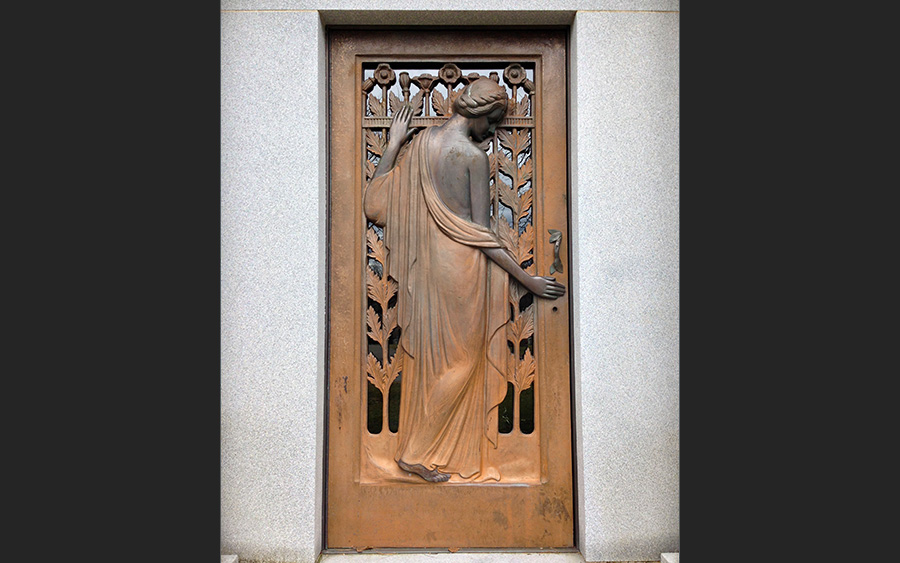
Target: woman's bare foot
{"x":432,"y":475}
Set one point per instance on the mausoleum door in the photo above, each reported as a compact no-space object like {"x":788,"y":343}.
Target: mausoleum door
{"x":449,"y":420}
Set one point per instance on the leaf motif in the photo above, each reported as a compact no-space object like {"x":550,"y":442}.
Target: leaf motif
{"x":525,"y":371}
{"x":394,"y":368}
{"x":525,"y":249}
{"x":390,"y":322}
{"x":381,"y":290}
{"x":515,"y":141}
{"x":507,"y":236}
{"x":507,"y":139}
{"x":370,"y":169}
{"x":523,"y":255}
{"x":438,"y":103}
{"x":516,"y":291}
{"x":525,"y":173}
{"x":373,"y":284}
{"x":523,"y":105}
{"x":391,"y":288}
{"x":525,"y":202}
{"x":375,"y":331}
{"x":530,"y":270}
{"x":374,"y":142}
{"x":523,"y":140}
{"x":528,"y":323}
{"x":375,"y":107}
{"x":526,"y":238}
{"x":509,"y":198}
{"x":506,"y":165}
{"x":522,"y":327}
{"x":374,"y":372}
{"x":376,"y":246}
{"x":394,"y":102}
{"x":416,"y":102}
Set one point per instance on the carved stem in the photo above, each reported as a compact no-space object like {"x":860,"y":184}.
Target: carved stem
{"x":495,"y":196}
{"x":516,"y":408}
{"x":386,"y":360}
{"x":384,"y":406}
{"x":516,"y":371}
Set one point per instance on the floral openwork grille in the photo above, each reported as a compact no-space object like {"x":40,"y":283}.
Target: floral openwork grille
{"x":431,"y":90}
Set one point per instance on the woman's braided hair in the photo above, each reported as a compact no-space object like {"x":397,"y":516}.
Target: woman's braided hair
{"x":481,"y":97}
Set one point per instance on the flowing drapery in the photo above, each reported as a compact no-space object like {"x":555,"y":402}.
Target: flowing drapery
{"x":452,"y":304}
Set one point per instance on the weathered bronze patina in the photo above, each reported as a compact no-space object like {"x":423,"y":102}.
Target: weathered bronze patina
{"x":453,"y":274}
{"x":435,"y":296}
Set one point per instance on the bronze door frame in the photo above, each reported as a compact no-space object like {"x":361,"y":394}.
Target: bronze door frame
{"x":554,"y":499}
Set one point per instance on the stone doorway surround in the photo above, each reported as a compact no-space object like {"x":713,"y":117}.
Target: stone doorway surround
{"x":623,"y":123}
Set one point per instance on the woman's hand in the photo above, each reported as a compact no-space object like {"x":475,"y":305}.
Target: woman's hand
{"x":546,"y":287}
{"x":398,"y":136}
{"x":400,"y":131}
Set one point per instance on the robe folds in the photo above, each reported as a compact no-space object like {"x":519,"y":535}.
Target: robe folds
{"x":452,"y":307}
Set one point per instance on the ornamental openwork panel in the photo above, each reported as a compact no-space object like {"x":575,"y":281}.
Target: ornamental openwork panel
{"x":430,"y":90}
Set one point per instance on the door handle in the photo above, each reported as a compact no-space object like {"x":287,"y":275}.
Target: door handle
{"x":555,"y":239}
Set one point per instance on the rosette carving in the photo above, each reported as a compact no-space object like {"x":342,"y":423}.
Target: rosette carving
{"x":384,"y":75}
{"x":514,"y":75}
{"x":450,"y":74}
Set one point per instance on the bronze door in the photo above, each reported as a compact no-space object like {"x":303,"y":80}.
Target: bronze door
{"x":499,"y":472}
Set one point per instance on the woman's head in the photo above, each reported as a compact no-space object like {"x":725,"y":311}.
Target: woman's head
{"x":482,"y":97}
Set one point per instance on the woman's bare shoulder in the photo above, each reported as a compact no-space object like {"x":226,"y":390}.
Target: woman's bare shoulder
{"x":475,"y":155}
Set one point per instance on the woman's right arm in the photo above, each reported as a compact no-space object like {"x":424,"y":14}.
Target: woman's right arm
{"x":479,"y":179}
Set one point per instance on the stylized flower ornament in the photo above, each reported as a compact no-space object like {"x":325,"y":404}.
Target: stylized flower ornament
{"x":424,"y":81}
{"x":384,"y":75}
{"x":450,"y":74}
{"x":514,"y":75}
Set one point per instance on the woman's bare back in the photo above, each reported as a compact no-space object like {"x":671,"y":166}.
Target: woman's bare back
{"x":455,"y":163}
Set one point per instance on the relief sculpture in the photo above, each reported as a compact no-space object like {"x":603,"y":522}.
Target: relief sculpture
{"x":454,"y":274}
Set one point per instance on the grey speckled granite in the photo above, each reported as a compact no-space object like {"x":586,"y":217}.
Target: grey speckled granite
{"x":625,"y":281}
{"x":273,"y":282}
